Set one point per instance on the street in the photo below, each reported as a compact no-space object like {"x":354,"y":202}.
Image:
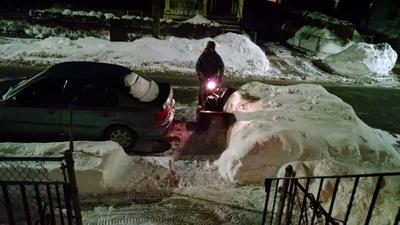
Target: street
{"x":378,"y":107}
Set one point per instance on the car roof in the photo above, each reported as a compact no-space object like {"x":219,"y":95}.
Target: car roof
{"x":88,"y":70}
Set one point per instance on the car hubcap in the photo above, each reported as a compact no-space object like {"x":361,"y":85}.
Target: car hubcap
{"x":122,"y":137}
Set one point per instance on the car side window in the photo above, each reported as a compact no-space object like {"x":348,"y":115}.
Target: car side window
{"x":44,"y":92}
{"x":89,"y":94}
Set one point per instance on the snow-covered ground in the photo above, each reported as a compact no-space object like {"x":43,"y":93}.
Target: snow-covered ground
{"x":303,"y":125}
{"x":242,"y":58}
{"x":348,"y":56}
{"x":316,"y":132}
{"x":193,"y":186}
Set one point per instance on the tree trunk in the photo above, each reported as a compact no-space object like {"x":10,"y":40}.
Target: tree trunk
{"x":156,"y":8}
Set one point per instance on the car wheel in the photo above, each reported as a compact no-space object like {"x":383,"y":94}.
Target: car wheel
{"x":124,"y":136}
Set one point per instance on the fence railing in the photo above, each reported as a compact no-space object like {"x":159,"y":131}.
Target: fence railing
{"x":291,"y":200}
{"x":39,"y":190}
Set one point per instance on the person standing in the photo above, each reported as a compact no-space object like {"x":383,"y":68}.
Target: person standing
{"x":208,"y":65}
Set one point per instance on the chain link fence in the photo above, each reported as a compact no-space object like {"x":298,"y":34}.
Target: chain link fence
{"x":37,"y":190}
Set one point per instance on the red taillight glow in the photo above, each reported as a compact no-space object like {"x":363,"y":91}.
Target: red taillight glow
{"x":211,"y":85}
{"x":165,"y":117}
{"x":162,"y":116}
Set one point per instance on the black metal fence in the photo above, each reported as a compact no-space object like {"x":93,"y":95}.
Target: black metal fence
{"x":291,"y":200}
{"x":39,"y":190}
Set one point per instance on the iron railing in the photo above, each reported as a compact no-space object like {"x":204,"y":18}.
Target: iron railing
{"x":39,"y":190}
{"x":291,"y":200}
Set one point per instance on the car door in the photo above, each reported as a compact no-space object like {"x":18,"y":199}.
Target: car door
{"x":92,"y":107}
{"x":34,"y":111}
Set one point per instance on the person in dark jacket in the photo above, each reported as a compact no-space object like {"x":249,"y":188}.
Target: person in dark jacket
{"x":208,"y":65}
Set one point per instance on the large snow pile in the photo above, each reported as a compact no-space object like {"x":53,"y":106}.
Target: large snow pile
{"x":241,"y":56}
{"x":318,"y":134}
{"x":323,"y":35}
{"x":276,"y":125}
{"x":92,"y":159}
{"x":172,"y":190}
{"x":363,"y":59}
{"x":107,"y":167}
{"x":389,"y":193}
{"x":321,"y":41}
{"x":343,"y":52}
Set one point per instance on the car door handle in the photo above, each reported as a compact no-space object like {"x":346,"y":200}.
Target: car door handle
{"x":51,"y":111}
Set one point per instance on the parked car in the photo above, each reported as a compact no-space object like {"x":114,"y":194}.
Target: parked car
{"x":104,"y":101}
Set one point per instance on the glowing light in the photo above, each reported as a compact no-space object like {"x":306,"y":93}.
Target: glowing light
{"x":211,"y":85}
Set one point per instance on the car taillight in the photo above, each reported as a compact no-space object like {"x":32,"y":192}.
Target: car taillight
{"x":162,"y":117}
{"x":170,"y":100}
{"x":166,"y":116}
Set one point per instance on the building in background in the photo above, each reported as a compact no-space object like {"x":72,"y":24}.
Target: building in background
{"x":215,"y":9}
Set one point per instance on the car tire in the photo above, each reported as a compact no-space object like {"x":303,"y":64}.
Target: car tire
{"x":124,"y":136}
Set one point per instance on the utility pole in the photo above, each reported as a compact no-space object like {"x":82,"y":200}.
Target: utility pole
{"x":156,"y":11}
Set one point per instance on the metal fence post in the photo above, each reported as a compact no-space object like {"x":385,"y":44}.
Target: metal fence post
{"x":74,"y":189}
{"x":282,"y":198}
{"x":397,"y":220}
{"x":267,"y":191}
{"x":8,"y":205}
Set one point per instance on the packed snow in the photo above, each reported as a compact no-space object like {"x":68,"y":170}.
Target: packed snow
{"x":302,"y":125}
{"x":316,"y":132}
{"x":348,"y":57}
{"x":317,"y":40}
{"x":241,"y":56}
{"x":387,"y":202}
{"x":199,"y":19}
{"x":277,"y":124}
{"x":106,"y":166}
{"x":363,"y":59}
{"x":160,"y":181}
{"x":70,"y":12}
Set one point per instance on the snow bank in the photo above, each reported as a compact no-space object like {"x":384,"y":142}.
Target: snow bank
{"x":323,"y":35}
{"x":344,"y":54}
{"x":199,"y":19}
{"x":241,"y":56}
{"x":69,"y":12}
{"x":91,"y":159}
{"x":276,"y":125}
{"x":9,"y":27}
{"x":317,"y":40}
{"x":105,"y":165}
{"x":363,"y":59}
{"x":318,"y":134}
{"x":389,"y":194}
